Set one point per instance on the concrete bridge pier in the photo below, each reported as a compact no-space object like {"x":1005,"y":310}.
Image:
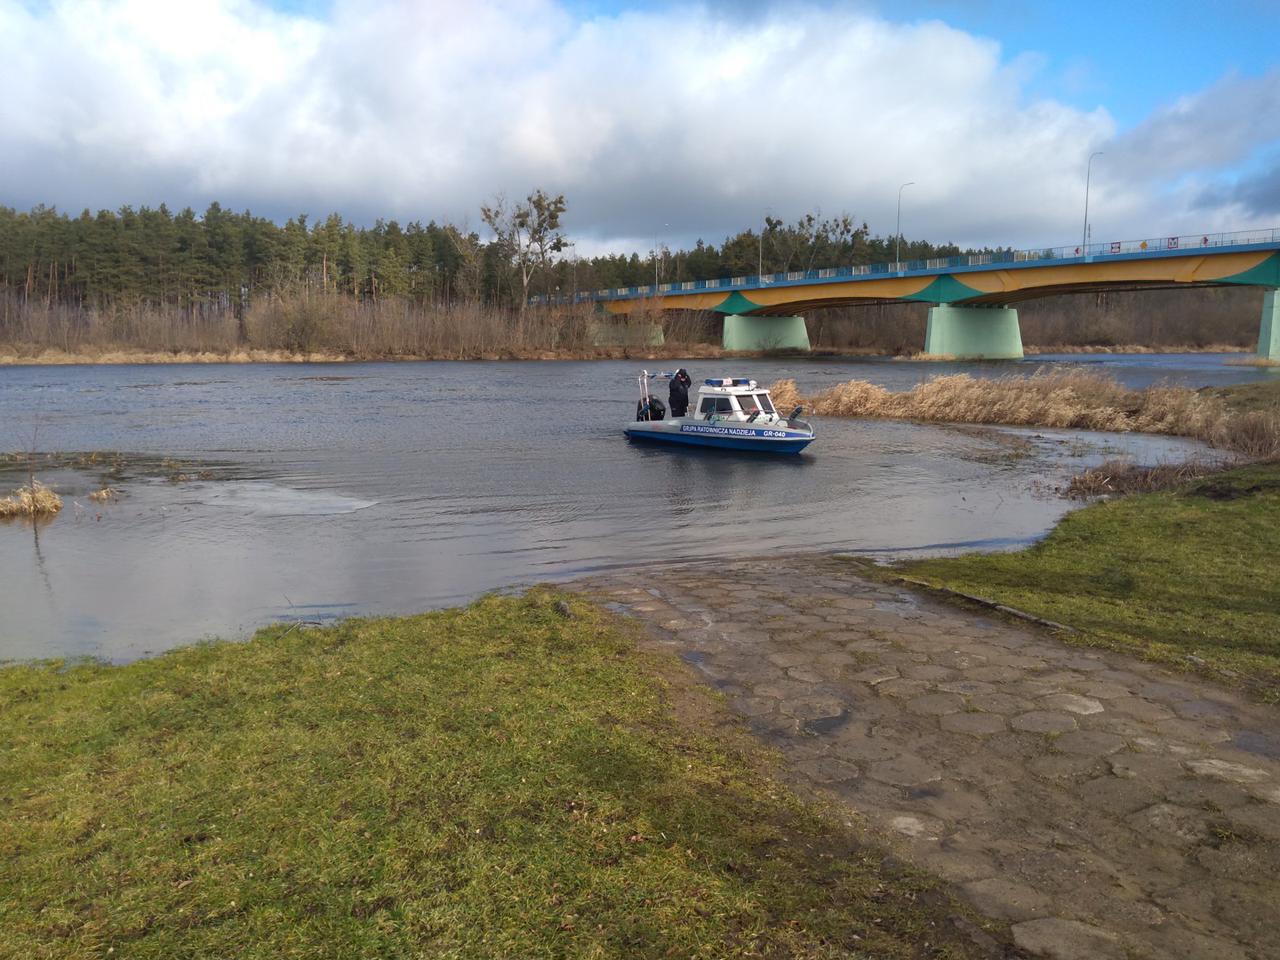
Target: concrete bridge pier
{"x":1269,"y":332}
{"x":765,"y":333}
{"x":973,"y":333}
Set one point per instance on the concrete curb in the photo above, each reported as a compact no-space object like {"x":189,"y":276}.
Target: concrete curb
{"x":960,"y":595}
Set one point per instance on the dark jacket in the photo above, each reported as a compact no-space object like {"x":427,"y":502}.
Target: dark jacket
{"x":679,"y":396}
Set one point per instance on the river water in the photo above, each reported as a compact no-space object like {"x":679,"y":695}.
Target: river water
{"x":323,"y":491}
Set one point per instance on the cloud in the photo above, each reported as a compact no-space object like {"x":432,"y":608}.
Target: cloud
{"x":1217,"y":127}
{"x":1253,"y":195}
{"x":679,"y":122}
{"x":1260,"y":194}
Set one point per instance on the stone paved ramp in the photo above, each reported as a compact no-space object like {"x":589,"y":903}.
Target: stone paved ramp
{"x":1104,"y":807}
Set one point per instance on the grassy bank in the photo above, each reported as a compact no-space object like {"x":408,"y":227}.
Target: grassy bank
{"x":1185,"y":576}
{"x":1039,"y":348}
{"x":1263,"y":396}
{"x":502,"y":780}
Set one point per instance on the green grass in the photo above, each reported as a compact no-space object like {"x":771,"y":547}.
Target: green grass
{"x":1193,"y":573}
{"x":497,"y":781}
{"x":1246,"y":397}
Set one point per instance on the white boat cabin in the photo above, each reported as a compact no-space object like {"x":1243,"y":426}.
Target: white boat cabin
{"x":735,"y":399}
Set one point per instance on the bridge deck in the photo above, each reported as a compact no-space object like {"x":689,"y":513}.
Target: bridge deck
{"x":995,"y":278}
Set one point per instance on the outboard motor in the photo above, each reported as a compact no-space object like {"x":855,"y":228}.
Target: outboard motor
{"x":651,"y":409}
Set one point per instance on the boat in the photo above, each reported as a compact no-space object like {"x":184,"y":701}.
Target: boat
{"x":732,"y":413}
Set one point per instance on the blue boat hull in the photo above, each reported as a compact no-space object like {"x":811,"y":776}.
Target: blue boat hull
{"x":758,"y":445}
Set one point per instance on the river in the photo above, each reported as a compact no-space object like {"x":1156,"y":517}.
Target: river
{"x":317,"y":492}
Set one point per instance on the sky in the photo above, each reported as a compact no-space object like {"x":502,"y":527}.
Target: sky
{"x":660,"y":122}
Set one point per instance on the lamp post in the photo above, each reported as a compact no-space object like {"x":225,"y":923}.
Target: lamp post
{"x":666,"y":232}
{"x":897,"y":232}
{"x":574,"y":247}
{"x":760,"y":245}
{"x":1084,"y":233}
{"x":665,"y":226}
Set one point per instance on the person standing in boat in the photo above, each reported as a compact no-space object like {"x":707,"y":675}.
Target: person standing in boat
{"x":678,"y":398}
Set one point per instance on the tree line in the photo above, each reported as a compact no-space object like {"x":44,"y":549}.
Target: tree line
{"x":223,"y":259}
{"x":153,"y":280}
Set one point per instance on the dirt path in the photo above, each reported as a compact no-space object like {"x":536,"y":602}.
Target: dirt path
{"x":1104,"y":807}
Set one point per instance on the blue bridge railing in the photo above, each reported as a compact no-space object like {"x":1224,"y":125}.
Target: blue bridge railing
{"x":1038,"y":256}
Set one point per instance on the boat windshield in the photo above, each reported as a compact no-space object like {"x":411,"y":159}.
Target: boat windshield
{"x":748,"y":403}
{"x":765,"y":405}
{"x":716,"y":405}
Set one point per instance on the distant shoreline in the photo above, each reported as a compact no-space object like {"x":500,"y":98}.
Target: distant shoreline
{"x":112,"y":357}
{"x":698,"y":351}
{"x":1035,"y":350}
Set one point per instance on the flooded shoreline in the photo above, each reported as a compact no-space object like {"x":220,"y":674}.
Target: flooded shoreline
{"x":261,"y":493}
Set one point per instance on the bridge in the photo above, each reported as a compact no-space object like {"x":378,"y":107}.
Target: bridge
{"x":973,"y":298}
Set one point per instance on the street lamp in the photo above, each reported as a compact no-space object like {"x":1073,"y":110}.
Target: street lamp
{"x":665,"y":226}
{"x":1084,"y":234}
{"x":897,"y":233}
{"x":666,"y":231}
{"x":574,"y":247}
{"x":760,"y":246}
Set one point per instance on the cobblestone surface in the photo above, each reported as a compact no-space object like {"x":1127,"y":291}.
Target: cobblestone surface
{"x":1103,"y":806}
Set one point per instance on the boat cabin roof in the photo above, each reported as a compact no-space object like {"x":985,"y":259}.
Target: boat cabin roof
{"x":730,"y":386}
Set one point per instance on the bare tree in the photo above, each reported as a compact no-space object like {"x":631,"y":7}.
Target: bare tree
{"x":510,"y":230}
{"x":811,"y":239}
{"x":544,"y":230}
{"x":528,"y":234}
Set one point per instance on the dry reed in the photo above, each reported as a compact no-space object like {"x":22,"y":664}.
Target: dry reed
{"x":1062,"y":399}
{"x":310,"y":326}
{"x":1119,"y":477}
{"x":33,"y":500}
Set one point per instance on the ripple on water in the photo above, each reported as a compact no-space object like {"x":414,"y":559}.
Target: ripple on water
{"x":262,"y":498}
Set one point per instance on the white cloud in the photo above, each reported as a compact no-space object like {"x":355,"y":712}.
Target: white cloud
{"x":687,"y":117}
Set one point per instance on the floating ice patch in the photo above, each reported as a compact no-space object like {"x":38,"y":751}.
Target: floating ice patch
{"x":262,"y":498}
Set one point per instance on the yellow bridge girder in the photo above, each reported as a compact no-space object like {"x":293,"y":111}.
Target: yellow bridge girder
{"x":998,"y":285}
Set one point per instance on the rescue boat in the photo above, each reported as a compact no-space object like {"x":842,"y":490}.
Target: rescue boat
{"x":732,"y":413}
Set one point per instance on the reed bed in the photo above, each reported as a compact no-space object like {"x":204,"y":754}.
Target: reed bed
{"x":309,"y":326}
{"x":33,"y":500}
{"x":1119,"y":477}
{"x":1065,"y":399}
